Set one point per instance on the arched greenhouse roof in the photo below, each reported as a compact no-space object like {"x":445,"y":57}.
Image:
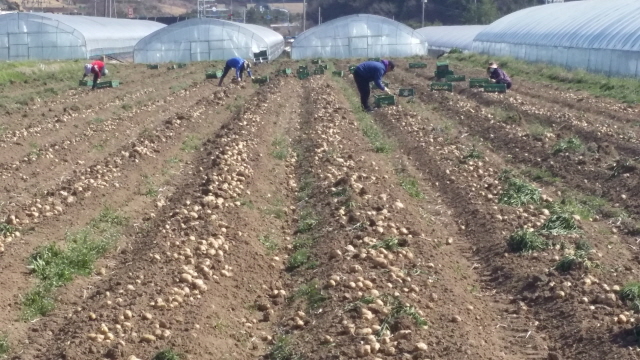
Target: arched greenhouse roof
{"x":359,"y":36}
{"x":449,"y":37}
{"x":54,"y":36}
{"x":599,"y":36}
{"x":208,"y":39}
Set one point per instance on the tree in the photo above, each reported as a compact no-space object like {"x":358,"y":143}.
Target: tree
{"x":481,"y":13}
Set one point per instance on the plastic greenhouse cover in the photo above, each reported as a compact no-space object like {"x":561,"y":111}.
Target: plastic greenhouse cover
{"x":594,"y":24}
{"x":207,"y":39}
{"x":448,"y":37}
{"x":359,"y":36}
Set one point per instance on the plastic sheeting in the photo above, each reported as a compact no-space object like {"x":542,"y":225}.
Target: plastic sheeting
{"x":43,"y":36}
{"x":594,"y":35}
{"x":448,"y":37}
{"x":207,"y":39}
{"x":359,"y":36}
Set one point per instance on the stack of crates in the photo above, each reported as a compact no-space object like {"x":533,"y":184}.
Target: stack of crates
{"x":442,"y":70}
{"x":303,"y":72}
{"x":318,"y":71}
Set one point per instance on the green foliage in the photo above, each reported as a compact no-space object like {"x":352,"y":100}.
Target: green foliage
{"x":281,"y":149}
{"x":298,"y":259}
{"x":283,"y":350}
{"x":526,"y":241}
{"x":584,"y":206}
{"x":307,"y":221}
{"x":312,"y":293}
{"x":270,"y":243}
{"x":167,"y":354}
{"x":473,"y":154}
{"x":559,"y":224}
{"x":540,"y":175}
{"x":519,"y":193}
{"x":4,"y":345}
{"x":399,"y":309}
{"x":631,"y":293}
{"x":572,"y":144}
{"x":191,"y":144}
{"x":390,"y":244}
{"x":579,"y":258}
{"x":481,"y":12}
{"x":411,"y":186}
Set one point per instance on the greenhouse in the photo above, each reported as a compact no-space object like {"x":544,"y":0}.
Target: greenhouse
{"x":444,"y":38}
{"x":26,"y":36}
{"x":598,"y":36}
{"x":359,"y":36}
{"x":208,"y":39}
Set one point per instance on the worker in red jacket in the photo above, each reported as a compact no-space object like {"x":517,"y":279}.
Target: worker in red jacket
{"x":96,"y":68}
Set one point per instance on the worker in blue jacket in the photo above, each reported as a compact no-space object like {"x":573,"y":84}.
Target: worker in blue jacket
{"x":367,"y":72}
{"x":236,"y":63}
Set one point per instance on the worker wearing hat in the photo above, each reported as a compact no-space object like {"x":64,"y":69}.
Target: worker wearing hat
{"x":498,"y":75}
{"x":367,"y":72}
{"x":236,"y":63}
{"x":96,"y":68}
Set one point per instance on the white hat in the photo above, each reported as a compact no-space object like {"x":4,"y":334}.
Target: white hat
{"x":87,"y":69}
{"x":106,"y":72}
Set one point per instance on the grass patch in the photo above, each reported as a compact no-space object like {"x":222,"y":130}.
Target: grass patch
{"x":4,"y":345}
{"x":579,"y":258}
{"x":178,"y":87}
{"x":504,"y":115}
{"x":167,"y":354}
{"x":626,"y":90}
{"x":6,"y":229}
{"x":127,"y":107}
{"x":519,"y":193}
{"x":191,"y":144}
{"x":631,"y":294}
{"x":281,"y":148}
{"x":55,"y":266}
{"x":312,"y":294}
{"x":526,"y":241}
{"x":538,"y":131}
{"x":411,"y":186}
{"x":473,"y":154}
{"x":571,"y":144}
{"x":622,"y":166}
{"x":282,"y":350}
{"x":97,"y":120}
{"x":307,"y":221}
{"x":390,"y":244}
{"x":584,"y":206}
{"x":269,"y":242}
{"x":302,"y":242}
{"x":399,"y":309}
{"x":298,"y":259}
{"x":305,"y":188}
{"x":340,"y":192}
{"x":559,"y":224}
{"x":540,"y":175}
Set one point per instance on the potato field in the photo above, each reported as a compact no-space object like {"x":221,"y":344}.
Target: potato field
{"x":169,"y":218}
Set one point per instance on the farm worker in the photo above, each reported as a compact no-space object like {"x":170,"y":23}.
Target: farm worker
{"x":236,"y":63}
{"x":96,"y":68}
{"x":367,"y":72}
{"x":498,"y":75}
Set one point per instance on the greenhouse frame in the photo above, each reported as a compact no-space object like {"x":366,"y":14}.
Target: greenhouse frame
{"x":208,"y":39}
{"x":359,"y":36}
{"x":444,"y":38}
{"x":25,"y":36}
{"x":597,"y":36}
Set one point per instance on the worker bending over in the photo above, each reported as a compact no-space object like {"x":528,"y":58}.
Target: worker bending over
{"x":367,"y":72}
{"x":498,"y":75}
{"x":236,"y":63}
{"x":96,"y":68}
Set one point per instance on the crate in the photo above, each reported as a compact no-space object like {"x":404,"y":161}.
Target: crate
{"x":214,"y":74}
{"x":318,"y":71}
{"x":442,"y":66}
{"x":324,"y":66}
{"x":386,"y":85}
{"x":478,"y":82}
{"x":419,"y":65}
{"x":374,"y":59}
{"x":316,"y":61}
{"x":455,"y":78}
{"x":384,"y":100}
{"x":338,"y":73}
{"x":286,"y":71}
{"x":442,"y":74}
{"x":495,"y":88}
{"x":303,"y":75}
{"x":406,"y":92}
{"x":85,"y":83}
{"x":108,"y":84}
{"x":177,"y":66}
{"x":303,"y":68}
{"x":260,"y":56}
{"x":153,"y":66}
{"x":260,"y":80}
{"x":442,"y":86}
{"x":352,"y":68}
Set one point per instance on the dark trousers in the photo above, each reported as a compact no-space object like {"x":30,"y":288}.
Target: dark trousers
{"x":508,"y":83}
{"x":224,"y":73}
{"x":363,"y":88}
{"x":96,"y":75}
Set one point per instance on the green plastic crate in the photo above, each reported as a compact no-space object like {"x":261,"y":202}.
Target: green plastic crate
{"x":214,"y":74}
{"x":406,"y":92}
{"x":303,"y":75}
{"x":108,"y":84}
{"x":455,"y":78}
{"x":442,"y":74}
{"x":316,"y":61}
{"x":374,"y":59}
{"x":478,"y":82}
{"x":318,"y":71}
{"x":442,"y":66}
{"x":338,"y":73}
{"x":153,"y":66}
{"x":495,"y":88}
{"x":419,"y":65}
{"x":260,"y":80}
{"x":384,"y":100}
{"x":303,"y":68}
{"x":441,"y":86}
{"x":386,"y":85}
{"x":85,"y":83}
{"x":352,"y":68}
{"x":177,"y":66}
{"x":286,"y":71}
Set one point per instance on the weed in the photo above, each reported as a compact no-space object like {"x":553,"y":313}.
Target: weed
{"x":622,"y":166}
{"x":559,"y":224}
{"x":173,"y":160}
{"x":390,"y":244}
{"x":578,"y":258}
{"x":98,"y":147}
{"x":269,"y":243}
{"x":565,"y":145}
{"x":190,"y":144}
{"x":281,"y":150}
{"x":610,"y":212}
{"x":340,"y":192}
{"x":399,"y":309}
{"x":519,"y":193}
{"x":473,"y":154}
{"x":282,"y":350}
{"x":631,"y":293}
{"x":299,"y":258}
{"x":127,"y":107}
{"x":302,"y":242}
{"x":55,"y":266}
{"x":538,"y":131}
{"x":584,"y":206}
{"x":525,"y":241}
{"x":305,"y":188}
{"x":97,"y":120}
{"x":178,"y":87}
{"x":6,"y":229}
{"x":540,"y":175}
{"x":312,"y":293}
{"x":4,"y":345}
{"x":307,"y":221}
{"x":247,"y":203}
{"x":167,"y":354}
{"x":411,"y":186}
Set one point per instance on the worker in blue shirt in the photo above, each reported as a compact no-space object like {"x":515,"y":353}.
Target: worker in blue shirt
{"x":236,"y":63}
{"x":370,"y":71}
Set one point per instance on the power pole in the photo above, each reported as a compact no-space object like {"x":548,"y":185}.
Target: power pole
{"x":304,"y":15}
{"x":423,"y":2}
{"x":319,"y":16}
